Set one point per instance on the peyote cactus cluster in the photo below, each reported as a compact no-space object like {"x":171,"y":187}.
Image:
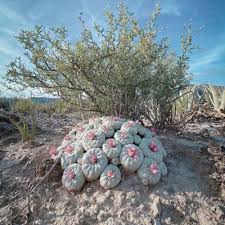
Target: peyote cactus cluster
{"x":104,"y":146}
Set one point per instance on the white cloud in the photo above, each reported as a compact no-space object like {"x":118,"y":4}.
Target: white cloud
{"x":209,"y":57}
{"x":170,"y":7}
{"x":12,"y":15}
{"x":8,"y":50}
{"x":7,"y":31}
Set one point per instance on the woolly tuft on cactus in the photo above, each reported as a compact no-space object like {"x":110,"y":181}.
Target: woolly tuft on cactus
{"x":93,"y":163}
{"x":130,"y":127}
{"x":154,"y":131}
{"x":81,"y":130}
{"x":159,"y":144}
{"x":67,"y":140}
{"x":131,"y":157}
{"x":71,"y":153}
{"x":113,"y":121}
{"x":112,"y":148}
{"x":107,"y":130}
{"x":73,"y":178}
{"x":151,"y":150}
{"x":53,"y":151}
{"x":123,"y":137}
{"x":110,"y":177}
{"x":149,"y":172}
{"x":93,"y":139}
{"x":95,"y":120}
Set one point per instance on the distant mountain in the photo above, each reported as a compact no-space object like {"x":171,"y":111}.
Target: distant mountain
{"x":43,"y":100}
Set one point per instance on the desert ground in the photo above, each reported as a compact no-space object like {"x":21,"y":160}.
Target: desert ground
{"x":193,"y":192}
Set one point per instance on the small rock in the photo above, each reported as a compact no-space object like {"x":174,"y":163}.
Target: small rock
{"x":89,"y":190}
{"x":133,"y":200}
{"x":130,"y":195}
{"x":218,"y":212}
{"x":51,"y":200}
{"x":34,"y":209}
{"x":168,"y":220}
{"x":155,"y":209}
{"x":141,"y":207}
{"x":156,"y":222}
{"x":102,"y":215}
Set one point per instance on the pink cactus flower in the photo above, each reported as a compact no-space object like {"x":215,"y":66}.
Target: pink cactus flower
{"x":110,"y":173}
{"x":153,"y":168}
{"x":94,"y":118}
{"x":115,"y":118}
{"x":153,"y":147}
{"x":111,"y":143}
{"x":132,"y":152}
{"x":131,"y":123}
{"x":90,"y":136}
{"x":52,"y":151}
{"x":105,"y":128}
{"x":93,"y":159}
{"x":70,"y":174}
{"x":81,"y":129}
{"x":69,"y":149}
{"x":153,"y":130}
{"x":67,"y":138}
{"x":138,"y":122}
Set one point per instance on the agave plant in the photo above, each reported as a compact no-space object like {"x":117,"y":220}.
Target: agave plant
{"x":186,"y":100}
{"x":216,"y":97}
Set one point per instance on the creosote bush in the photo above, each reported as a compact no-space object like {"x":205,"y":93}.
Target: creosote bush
{"x":98,"y":156}
{"x":127,"y":70}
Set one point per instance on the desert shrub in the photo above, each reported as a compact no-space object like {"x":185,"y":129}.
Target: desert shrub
{"x":27,"y":124}
{"x":127,"y":70}
{"x":58,"y":107}
{"x":4,"y":103}
{"x":7,"y":103}
{"x":23,"y":106}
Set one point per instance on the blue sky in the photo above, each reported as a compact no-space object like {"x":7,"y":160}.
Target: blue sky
{"x":207,"y":64}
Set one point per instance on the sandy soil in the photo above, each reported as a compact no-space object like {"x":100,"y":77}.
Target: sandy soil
{"x":190,"y":194}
